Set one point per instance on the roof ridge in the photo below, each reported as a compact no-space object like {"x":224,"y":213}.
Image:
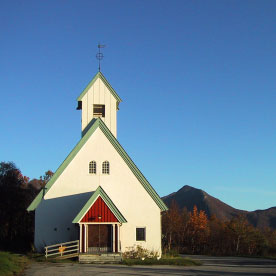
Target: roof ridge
{"x":63,"y":165}
{"x":136,"y":171}
{"x":140,"y":177}
{"x":105,"y":81}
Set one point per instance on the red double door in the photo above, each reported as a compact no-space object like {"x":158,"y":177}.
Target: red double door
{"x":100,"y":237}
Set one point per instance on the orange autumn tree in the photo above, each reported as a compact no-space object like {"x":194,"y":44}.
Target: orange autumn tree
{"x":198,"y":228}
{"x":193,"y":233}
{"x":218,"y":244}
{"x":171,"y":225}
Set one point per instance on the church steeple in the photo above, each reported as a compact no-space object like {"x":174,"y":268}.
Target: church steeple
{"x":99,"y":99}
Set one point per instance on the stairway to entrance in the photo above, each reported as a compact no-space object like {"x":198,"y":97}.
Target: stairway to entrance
{"x":103,"y":258}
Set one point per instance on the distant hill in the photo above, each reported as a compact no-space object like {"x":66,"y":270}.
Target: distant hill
{"x":188,"y":196}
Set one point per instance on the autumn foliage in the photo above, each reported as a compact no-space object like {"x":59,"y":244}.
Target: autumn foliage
{"x":195,"y":233}
{"x":16,"y":193}
{"x":183,"y":231}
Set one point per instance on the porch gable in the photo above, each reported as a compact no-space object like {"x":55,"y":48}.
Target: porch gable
{"x":99,"y":212}
{"x":99,"y":208}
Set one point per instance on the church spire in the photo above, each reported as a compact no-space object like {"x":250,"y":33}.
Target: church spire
{"x":99,"y":99}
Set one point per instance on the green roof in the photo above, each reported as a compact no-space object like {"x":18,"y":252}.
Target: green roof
{"x":99,"y":192}
{"x":94,"y":125}
{"x":101,"y":76}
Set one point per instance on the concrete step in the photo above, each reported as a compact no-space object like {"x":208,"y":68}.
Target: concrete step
{"x":100,"y":258}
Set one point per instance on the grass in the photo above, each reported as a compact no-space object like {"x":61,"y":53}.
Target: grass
{"x":12,"y":264}
{"x":163,"y":261}
{"x":41,"y":258}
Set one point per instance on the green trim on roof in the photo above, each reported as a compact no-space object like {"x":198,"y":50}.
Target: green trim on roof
{"x":94,"y":125}
{"x":133,"y":167}
{"x":64,"y":164}
{"x":36,"y":201}
{"x":101,"y":76}
{"x":99,"y":192}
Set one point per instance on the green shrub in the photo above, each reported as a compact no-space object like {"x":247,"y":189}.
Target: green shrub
{"x":171,"y":253}
{"x":138,"y":252}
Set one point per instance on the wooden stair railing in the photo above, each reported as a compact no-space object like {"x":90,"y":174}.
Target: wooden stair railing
{"x":63,"y":250}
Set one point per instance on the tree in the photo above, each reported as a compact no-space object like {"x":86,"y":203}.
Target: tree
{"x":198,"y":230}
{"x":16,"y":231}
{"x":217,"y":240}
{"x":42,"y":181}
{"x":238,"y":230}
{"x":171,"y":224}
{"x":47,"y":176}
{"x":183,"y":234}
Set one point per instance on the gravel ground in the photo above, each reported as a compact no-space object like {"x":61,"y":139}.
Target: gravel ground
{"x":212,"y":266}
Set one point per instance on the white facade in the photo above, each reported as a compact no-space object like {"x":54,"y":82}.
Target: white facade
{"x":121,"y":185}
{"x":73,"y":186}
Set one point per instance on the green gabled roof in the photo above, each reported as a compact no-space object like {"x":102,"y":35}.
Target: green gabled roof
{"x":94,"y":125}
{"x":133,"y":167}
{"x":101,"y":76}
{"x":62,"y":167}
{"x":99,"y":192}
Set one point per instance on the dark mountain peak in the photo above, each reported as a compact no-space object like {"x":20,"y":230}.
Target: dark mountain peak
{"x":271,"y":209}
{"x":187,"y":188}
{"x":189,"y":196}
{"x":169,"y":195}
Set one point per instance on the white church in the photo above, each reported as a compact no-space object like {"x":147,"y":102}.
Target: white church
{"x":98,"y":196}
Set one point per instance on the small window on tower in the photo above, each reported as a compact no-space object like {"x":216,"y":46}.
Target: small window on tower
{"x":99,"y":110}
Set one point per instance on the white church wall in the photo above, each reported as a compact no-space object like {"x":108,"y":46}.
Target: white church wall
{"x":53,"y":220}
{"x":121,"y":185}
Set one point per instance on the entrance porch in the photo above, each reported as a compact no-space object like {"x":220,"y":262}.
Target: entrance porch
{"x":99,"y":238}
{"x":100,"y":222}
{"x":100,"y":243}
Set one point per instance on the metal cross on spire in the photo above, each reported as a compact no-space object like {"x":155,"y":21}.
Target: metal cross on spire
{"x":100,"y":55}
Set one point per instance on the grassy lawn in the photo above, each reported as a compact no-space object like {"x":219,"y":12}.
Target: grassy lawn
{"x":37,"y":257}
{"x":163,"y":261}
{"x":12,"y":264}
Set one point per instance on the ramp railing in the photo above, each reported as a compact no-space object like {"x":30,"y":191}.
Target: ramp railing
{"x":63,"y":250}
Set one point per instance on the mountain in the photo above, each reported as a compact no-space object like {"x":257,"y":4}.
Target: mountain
{"x":263,"y":218}
{"x":188,"y":197}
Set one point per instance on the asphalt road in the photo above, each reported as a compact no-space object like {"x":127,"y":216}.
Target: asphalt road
{"x":212,"y":266}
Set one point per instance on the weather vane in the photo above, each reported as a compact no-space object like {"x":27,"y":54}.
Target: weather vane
{"x":100,"y":55}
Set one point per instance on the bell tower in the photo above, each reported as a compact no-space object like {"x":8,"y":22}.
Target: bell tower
{"x":99,"y":99}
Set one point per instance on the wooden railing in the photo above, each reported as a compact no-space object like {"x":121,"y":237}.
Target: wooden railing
{"x":63,"y":250}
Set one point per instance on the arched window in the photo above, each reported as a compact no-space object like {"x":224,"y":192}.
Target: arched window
{"x":105,"y":167}
{"x":92,"y":167}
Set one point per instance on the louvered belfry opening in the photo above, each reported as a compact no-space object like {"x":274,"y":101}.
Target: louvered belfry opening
{"x":98,"y":110}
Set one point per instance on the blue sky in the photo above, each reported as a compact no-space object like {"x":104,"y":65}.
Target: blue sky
{"x":197,"y":79}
